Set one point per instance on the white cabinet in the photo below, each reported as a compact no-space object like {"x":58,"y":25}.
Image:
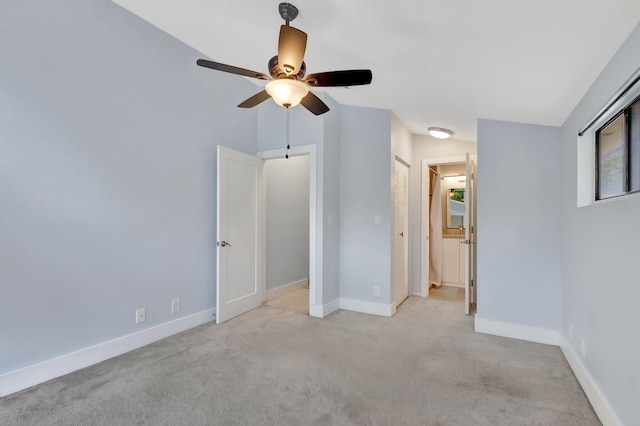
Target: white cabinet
{"x":453,"y":258}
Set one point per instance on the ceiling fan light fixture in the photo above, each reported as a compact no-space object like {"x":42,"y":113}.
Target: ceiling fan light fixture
{"x":440,"y":133}
{"x":287,"y":92}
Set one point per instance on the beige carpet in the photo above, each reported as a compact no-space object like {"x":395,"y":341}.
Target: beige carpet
{"x":297,"y":301}
{"x":451,"y":294}
{"x":274,"y":366}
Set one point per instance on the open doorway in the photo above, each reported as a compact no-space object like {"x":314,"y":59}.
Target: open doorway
{"x":241,"y":225}
{"x":448,"y":230}
{"x":287,"y":237}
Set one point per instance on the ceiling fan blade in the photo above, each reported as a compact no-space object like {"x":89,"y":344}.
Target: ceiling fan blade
{"x":291,"y":46}
{"x":231,"y":69}
{"x":339,"y":78}
{"x":255,"y":100}
{"x":314,"y":104}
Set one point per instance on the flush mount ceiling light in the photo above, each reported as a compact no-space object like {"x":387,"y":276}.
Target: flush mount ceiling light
{"x":439,"y":132}
{"x":456,"y":178}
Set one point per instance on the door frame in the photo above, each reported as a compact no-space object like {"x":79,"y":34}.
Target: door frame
{"x":424,"y":213}
{"x":315,"y":243}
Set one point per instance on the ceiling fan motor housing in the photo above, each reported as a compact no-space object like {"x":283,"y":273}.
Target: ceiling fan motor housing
{"x":288,"y":12}
{"x":277,"y":72}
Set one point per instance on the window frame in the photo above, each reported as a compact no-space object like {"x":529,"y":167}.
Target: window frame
{"x":625,"y":112}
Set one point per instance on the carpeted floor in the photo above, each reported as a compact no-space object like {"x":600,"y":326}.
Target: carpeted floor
{"x":297,"y":301}
{"x":274,"y":366}
{"x":452,"y":294}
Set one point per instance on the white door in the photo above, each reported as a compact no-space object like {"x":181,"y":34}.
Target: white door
{"x":400,"y":228}
{"x":469,"y":235}
{"x":238,"y":288}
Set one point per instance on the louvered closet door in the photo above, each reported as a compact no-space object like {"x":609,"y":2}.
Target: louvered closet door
{"x":400,"y":228}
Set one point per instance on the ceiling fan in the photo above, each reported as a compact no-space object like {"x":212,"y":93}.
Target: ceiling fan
{"x":289,"y":84}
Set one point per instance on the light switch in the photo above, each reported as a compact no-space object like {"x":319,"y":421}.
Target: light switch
{"x":376,"y":219}
{"x":331,"y":219}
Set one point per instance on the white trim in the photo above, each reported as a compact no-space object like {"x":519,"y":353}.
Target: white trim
{"x":595,"y":395}
{"x":452,"y":284}
{"x":321,"y":311}
{"x":316,"y":311}
{"x":24,"y":378}
{"x":517,"y":331}
{"x":367,"y":307}
{"x":283,"y":290}
{"x":315,"y":228}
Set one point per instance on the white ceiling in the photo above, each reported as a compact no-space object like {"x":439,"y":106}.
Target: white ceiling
{"x":441,"y":63}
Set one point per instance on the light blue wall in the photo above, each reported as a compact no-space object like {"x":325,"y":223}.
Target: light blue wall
{"x":107,"y":175}
{"x":287,"y":199}
{"x":401,"y":141}
{"x":304,"y":127}
{"x":601,"y":286}
{"x":520,"y":237}
{"x":365,"y":190}
{"x":331,"y":201}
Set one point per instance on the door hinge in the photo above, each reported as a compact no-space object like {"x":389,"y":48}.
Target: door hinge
{"x":473,"y":229}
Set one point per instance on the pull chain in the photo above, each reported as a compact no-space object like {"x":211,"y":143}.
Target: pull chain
{"x":287,"y":134}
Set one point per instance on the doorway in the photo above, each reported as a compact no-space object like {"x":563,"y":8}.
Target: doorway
{"x":448,"y":230}
{"x":314,"y":245}
{"x":287,"y":233}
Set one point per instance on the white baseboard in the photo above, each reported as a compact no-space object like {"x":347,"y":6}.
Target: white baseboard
{"x":595,"y":395}
{"x":517,"y":331}
{"x":321,"y":311}
{"x":286,"y":289}
{"x":24,"y":378}
{"x":367,"y":307}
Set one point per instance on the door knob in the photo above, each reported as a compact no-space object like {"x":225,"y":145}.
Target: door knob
{"x":224,"y":244}
{"x":402,"y":234}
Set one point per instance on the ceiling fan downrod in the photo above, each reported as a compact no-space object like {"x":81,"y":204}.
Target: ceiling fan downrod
{"x":288,"y":12}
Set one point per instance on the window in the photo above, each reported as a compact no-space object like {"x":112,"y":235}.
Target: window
{"x":618,"y":154}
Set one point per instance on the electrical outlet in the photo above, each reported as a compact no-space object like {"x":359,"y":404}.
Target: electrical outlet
{"x":583,"y":348}
{"x":141,"y":315}
{"x":175,"y":305}
{"x":376,"y":219}
{"x":376,"y":291}
{"x":331,"y":219}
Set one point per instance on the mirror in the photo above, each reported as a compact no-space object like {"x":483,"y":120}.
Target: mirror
{"x":455,"y":208}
